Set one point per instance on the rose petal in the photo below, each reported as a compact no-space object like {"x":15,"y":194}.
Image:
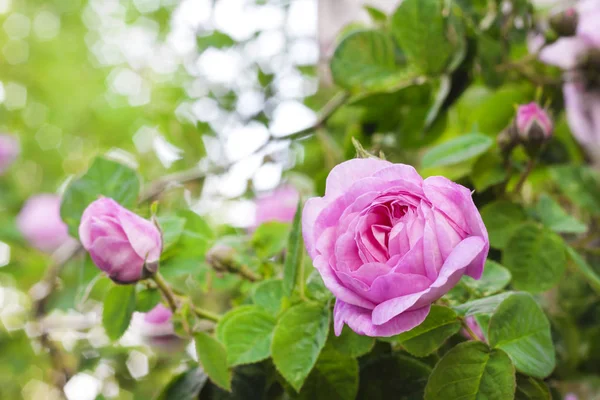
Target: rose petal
{"x":343,"y":175}
{"x":359,"y":320}
{"x":467,"y":252}
{"x":102,"y":207}
{"x":105,"y":226}
{"x":564,"y":52}
{"x":142,"y":234}
{"x":117,"y":259}
{"x":402,"y":172}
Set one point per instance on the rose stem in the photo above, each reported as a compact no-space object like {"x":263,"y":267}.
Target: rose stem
{"x":166,"y":291}
{"x":468,"y":329}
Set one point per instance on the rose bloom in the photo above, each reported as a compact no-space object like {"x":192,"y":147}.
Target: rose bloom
{"x":279,"y":205}
{"x":388,"y":243}
{"x":9,"y":150}
{"x":40,"y":224}
{"x":119,"y":241}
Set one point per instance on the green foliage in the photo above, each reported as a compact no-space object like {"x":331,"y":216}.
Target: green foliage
{"x":213,"y":358}
{"x":495,"y":278}
{"x":103,"y":178}
{"x":351,"y":343}
{"x":147,"y":299}
{"x":471,"y":370}
{"x":247,"y":337}
{"x":555,"y":218}
{"x":268,"y":295}
{"x":502,"y":218}
{"x":270,"y":238}
{"x":119,"y":305}
{"x":295,"y":354}
{"x":293,"y":274}
{"x":529,"y":388}
{"x":185,"y":386}
{"x":457,"y":150}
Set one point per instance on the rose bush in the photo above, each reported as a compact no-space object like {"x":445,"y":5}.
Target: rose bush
{"x":388,"y":243}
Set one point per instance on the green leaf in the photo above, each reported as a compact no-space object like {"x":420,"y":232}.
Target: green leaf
{"x":197,"y":236}
{"x":376,"y":14}
{"x":229,"y":315}
{"x":488,"y":171}
{"x":583,"y":268}
{"x":580,"y":184}
{"x":365,"y":60}
{"x":171,"y":227}
{"x":481,"y":306}
{"x":535,"y":257}
{"x":529,"y":388}
{"x":428,"y":40}
{"x":217,"y":40}
{"x":247,"y":337}
{"x":351,"y":343}
{"x":495,"y":278}
{"x":392,"y":376}
{"x":424,"y":339}
{"x":457,"y":150}
{"x":119,"y":305}
{"x":334,"y":377}
{"x":502,"y":218}
{"x":299,"y":337}
{"x":555,"y":217}
{"x":520,"y":328}
{"x":294,"y":255}
{"x":268,"y":295}
{"x":472,"y":371}
{"x":213,"y":357}
{"x":270,"y":238}
{"x":103,"y":178}
{"x":185,"y":386}
{"x":147,"y":299}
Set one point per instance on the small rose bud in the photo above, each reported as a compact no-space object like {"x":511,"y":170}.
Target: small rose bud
{"x":565,"y":23}
{"x":9,"y":151}
{"x":40,"y":224}
{"x":533,"y":125}
{"x":221,"y":258}
{"x":124,"y":245}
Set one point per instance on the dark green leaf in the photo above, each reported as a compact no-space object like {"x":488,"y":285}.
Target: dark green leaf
{"x":583,"y":267}
{"x":185,"y":386}
{"x":535,"y":257}
{"x":213,"y":357}
{"x":555,"y":217}
{"x":424,"y":339}
{"x":334,"y":377}
{"x":299,"y":337}
{"x":457,"y":150}
{"x":488,"y":171}
{"x":103,"y":178}
{"x":529,"y":388}
{"x":472,"y":371}
{"x":351,"y":343}
{"x":520,"y":328}
{"x":119,"y":305}
{"x":270,"y":238}
{"x":495,"y":277}
{"x":365,"y":60}
{"x":268,"y":295}
{"x":247,"y":337}
{"x":501,"y":219}
{"x":294,"y":255}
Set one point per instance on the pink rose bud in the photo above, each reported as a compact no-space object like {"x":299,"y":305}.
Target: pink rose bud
{"x":475,"y":328}
{"x":9,"y":150}
{"x":533,"y":123}
{"x":124,"y":245}
{"x":157,"y":330}
{"x":279,"y":205}
{"x":388,"y":243}
{"x":571,"y":396}
{"x":565,"y":23}
{"x":40,"y":223}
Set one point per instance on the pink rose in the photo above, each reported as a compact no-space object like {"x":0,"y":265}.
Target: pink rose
{"x":9,"y":150}
{"x":279,"y":205}
{"x":388,"y":243}
{"x":40,"y":223}
{"x":583,"y":115}
{"x":119,"y":241}
{"x":533,"y":122}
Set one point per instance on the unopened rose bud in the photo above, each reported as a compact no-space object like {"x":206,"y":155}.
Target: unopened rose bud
{"x":9,"y":150}
{"x":124,"y":245}
{"x":40,"y":224}
{"x":565,"y":23}
{"x":221,"y":257}
{"x":534,"y":126}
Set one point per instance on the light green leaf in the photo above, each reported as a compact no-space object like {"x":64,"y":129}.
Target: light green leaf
{"x":294,"y":256}
{"x":213,"y":357}
{"x":270,"y":238}
{"x":520,"y":328}
{"x":555,"y":217}
{"x":481,"y":306}
{"x":502,"y":218}
{"x":229,"y":315}
{"x":334,"y":377}
{"x":217,"y":40}
{"x":185,"y":386}
{"x":299,"y":337}
{"x":103,"y":178}
{"x":247,"y":337}
{"x":171,"y":227}
{"x":472,"y":371}
{"x":365,"y":61}
{"x":376,"y":14}
{"x":495,"y":278}
{"x":535,"y":257}
{"x":580,"y":184}
{"x":488,"y":171}
{"x":147,"y":299}
{"x":119,"y":305}
{"x":424,"y":339}
{"x":268,"y":295}
{"x":457,"y":150}
{"x":529,"y":388}
{"x":351,"y":343}
{"x":429,"y":40}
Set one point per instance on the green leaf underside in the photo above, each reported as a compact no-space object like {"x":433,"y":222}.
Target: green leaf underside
{"x":495,"y":278}
{"x":119,"y":305}
{"x":454,"y":151}
{"x":185,"y":386}
{"x":556,"y":218}
{"x":213,"y":358}
{"x":482,"y":306}
{"x":472,"y":370}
